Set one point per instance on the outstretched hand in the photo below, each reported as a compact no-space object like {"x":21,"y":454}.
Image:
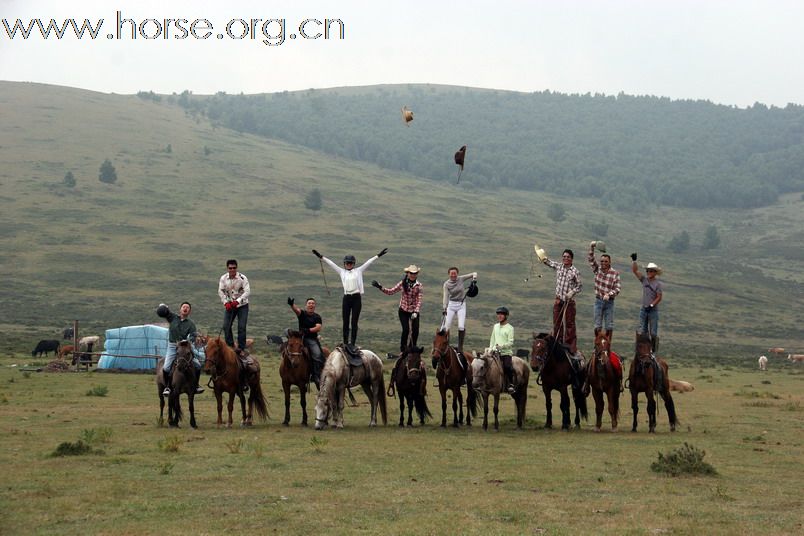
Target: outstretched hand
{"x":383,"y":252}
{"x":633,"y":257}
{"x":290,"y":301}
{"x":317,"y":254}
{"x":375,"y":284}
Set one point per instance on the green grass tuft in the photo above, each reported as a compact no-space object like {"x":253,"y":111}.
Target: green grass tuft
{"x":98,"y":390}
{"x":686,"y":460}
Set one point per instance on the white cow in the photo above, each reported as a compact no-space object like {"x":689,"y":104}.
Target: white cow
{"x":681,"y":386}
{"x":763,"y":362}
{"x":795,"y":358}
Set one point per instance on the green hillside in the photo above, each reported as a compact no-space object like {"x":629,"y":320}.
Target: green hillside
{"x":106,"y":254}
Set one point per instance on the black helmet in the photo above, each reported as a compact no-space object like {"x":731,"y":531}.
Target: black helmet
{"x":503,"y":310}
{"x":349,"y":258}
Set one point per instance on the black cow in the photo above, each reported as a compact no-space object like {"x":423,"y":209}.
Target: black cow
{"x":68,"y":334}
{"x":46,"y":346}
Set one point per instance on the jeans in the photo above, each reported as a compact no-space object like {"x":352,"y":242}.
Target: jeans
{"x":314,"y":348}
{"x":241,"y":313}
{"x":649,"y":318}
{"x":604,"y":314}
{"x":170,"y":357}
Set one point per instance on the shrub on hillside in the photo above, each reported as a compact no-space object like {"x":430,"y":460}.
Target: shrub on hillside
{"x":684,"y":460}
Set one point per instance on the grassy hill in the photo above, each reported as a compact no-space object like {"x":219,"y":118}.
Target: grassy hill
{"x":107,"y":254}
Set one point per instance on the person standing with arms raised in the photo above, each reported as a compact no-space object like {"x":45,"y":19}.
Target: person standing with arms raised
{"x":568,"y":285}
{"x":352,"y":280}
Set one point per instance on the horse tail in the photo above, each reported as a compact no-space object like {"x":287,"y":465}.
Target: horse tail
{"x":580,"y":401}
{"x":381,"y":400}
{"x":471,"y":400}
{"x":258,"y":397}
{"x":421,"y":407}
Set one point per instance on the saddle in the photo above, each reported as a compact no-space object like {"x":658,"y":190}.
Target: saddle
{"x":353,"y":354}
{"x":247,"y":363}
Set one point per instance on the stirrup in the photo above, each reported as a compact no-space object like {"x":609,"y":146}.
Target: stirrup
{"x":199,"y":389}
{"x":511,"y":390}
{"x":166,"y":391}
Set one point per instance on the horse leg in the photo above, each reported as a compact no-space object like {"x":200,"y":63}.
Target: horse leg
{"x":219,"y":399}
{"x":243,"y":415}
{"x":468,"y":418}
{"x":286,"y":388}
{"x":670,"y":406}
{"x":634,"y":407}
{"x":410,"y":398}
{"x":161,"y":408}
{"x":190,"y":397}
{"x":341,"y":406}
{"x":651,"y":411}
{"x":443,"y":390}
{"x":565,"y":408}
{"x":496,"y":410}
{"x":303,"y":397}
{"x":456,"y":406}
{"x":614,"y":403}
{"x":230,"y":407}
{"x":548,"y":405}
{"x":401,"y":408}
{"x":597,"y":394}
{"x":485,"y":411}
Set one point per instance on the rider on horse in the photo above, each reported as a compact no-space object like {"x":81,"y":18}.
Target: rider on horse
{"x":502,"y":338}
{"x":310,"y":326}
{"x":181,"y":328}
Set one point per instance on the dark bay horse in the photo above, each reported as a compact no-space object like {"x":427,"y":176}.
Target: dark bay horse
{"x":295,"y":369}
{"x":650,"y":376}
{"x":410,"y":381}
{"x":552,"y":361}
{"x":488,"y":378}
{"x":224,"y":366}
{"x":182,"y":381}
{"x":451,"y":376}
{"x":604,"y":375}
{"x":338,"y":375}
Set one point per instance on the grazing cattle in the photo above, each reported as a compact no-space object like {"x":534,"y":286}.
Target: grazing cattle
{"x":681,"y":386}
{"x":776,"y":350}
{"x":795,"y":358}
{"x":86,"y":341}
{"x":45,"y":347}
{"x":66,"y":350}
{"x":763,"y":362}
{"x":67,"y":334}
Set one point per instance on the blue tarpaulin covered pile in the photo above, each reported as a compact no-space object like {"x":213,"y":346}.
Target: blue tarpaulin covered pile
{"x":133,"y":341}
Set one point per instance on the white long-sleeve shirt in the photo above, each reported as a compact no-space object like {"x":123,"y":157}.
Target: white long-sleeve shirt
{"x":352,"y":279}
{"x":234,"y":289}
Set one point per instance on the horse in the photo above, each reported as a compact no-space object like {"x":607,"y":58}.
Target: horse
{"x":294,"y":369}
{"x":551,"y":360}
{"x":338,"y":375}
{"x":182,"y":381}
{"x":604,"y":377}
{"x":409,"y":379}
{"x":224,"y":366}
{"x":648,"y":375}
{"x":451,"y":376}
{"x":488,"y":378}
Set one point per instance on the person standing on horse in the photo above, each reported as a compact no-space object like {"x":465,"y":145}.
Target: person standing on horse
{"x":651,"y":297}
{"x":502,"y":339}
{"x":352,"y":280}
{"x":410,"y":304}
{"x":310,"y":326}
{"x":453,"y":302}
{"x":568,"y":285}
{"x":234,"y":292}
{"x":180,"y":328}
{"x":607,"y":287}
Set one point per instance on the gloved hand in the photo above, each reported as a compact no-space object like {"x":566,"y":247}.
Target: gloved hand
{"x":383,"y":252}
{"x":227,"y":306}
{"x":375,"y":284}
{"x":444,"y":312}
{"x":633,"y":257}
{"x":592,"y":244}
{"x":290,"y":301}
{"x":414,"y":316}
{"x":317,"y":254}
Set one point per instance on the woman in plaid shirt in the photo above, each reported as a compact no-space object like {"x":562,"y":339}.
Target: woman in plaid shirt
{"x":607,"y":287}
{"x":409,"y":305}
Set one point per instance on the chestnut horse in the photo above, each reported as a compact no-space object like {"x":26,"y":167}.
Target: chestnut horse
{"x":488,"y":378}
{"x":551,"y":360}
{"x":648,"y":375}
{"x":338,"y":375}
{"x":224,"y":366}
{"x":182,"y":381}
{"x":451,"y":376}
{"x":604,"y":377}
{"x":410,"y":381}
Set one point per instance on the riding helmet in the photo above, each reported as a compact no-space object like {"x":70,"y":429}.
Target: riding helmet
{"x":503,"y":310}
{"x":349,"y":258}
{"x":162,"y":310}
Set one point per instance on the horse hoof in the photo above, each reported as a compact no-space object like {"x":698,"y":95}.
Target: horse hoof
{"x":339,"y":426}
{"x":673,"y":428}
{"x":597,"y":428}
{"x":286,"y":423}
{"x":401,"y":425}
{"x":614,"y":429}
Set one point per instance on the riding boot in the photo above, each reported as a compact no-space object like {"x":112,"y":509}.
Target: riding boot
{"x":461,"y":335}
{"x":508,"y":369}
{"x":655,"y":345}
{"x":168,"y":376}
{"x":608,"y":336}
{"x":198,"y":388}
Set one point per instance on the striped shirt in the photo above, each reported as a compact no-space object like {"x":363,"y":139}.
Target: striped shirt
{"x":568,"y":278}
{"x":411,"y":300}
{"x":606,"y":283}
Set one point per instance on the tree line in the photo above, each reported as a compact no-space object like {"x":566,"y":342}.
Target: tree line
{"x":628,"y":151}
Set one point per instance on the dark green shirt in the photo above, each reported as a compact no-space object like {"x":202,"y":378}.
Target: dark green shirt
{"x":179,"y":329}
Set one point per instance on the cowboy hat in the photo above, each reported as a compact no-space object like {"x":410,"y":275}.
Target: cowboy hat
{"x":653,"y":266}
{"x":407,"y":115}
{"x":412,"y":269}
{"x":540,"y":252}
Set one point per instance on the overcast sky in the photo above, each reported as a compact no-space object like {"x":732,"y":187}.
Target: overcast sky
{"x":730,"y":52}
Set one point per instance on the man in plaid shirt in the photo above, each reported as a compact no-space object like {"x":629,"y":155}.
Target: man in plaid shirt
{"x":568,"y":284}
{"x":607,"y":287}
{"x":409,"y":305}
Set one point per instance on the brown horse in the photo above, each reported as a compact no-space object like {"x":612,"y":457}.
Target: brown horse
{"x":410,"y":381}
{"x":451,"y":376}
{"x":295,"y":368}
{"x":182,"y":381}
{"x":648,"y":374}
{"x":488,"y":378}
{"x":551,"y":360}
{"x":604,"y":377}
{"x":224,"y":366}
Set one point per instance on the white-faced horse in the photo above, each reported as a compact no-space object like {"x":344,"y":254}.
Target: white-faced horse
{"x":338,"y":375}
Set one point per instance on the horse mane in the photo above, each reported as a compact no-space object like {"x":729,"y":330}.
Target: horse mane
{"x":218,"y":345}
{"x":295,"y":334}
{"x":541,"y":335}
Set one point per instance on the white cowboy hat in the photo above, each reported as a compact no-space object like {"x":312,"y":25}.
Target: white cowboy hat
{"x":653,"y":266}
{"x":540,"y":252}
{"x":412,"y":269}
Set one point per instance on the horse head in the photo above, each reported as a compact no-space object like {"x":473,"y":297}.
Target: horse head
{"x":413,"y":361}
{"x":184,"y":356}
{"x":215,"y":352}
{"x":440,"y":346}
{"x":602,"y":347}
{"x":480,"y":367}
{"x":644,"y":346}
{"x":539,"y":350}
{"x":326,"y":403}
{"x":294,"y":350}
